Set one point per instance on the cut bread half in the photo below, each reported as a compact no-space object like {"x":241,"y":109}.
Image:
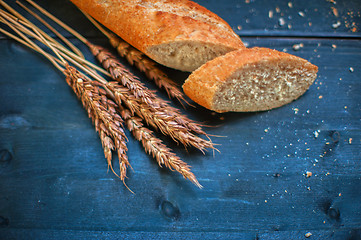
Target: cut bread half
{"x":179,"y":34}
{"x":247,"y":80}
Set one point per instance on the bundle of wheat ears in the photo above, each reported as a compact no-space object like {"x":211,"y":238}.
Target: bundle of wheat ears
{"x":112,"y":96}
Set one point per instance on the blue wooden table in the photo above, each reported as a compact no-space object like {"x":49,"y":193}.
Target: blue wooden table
{"x":54,"y":182}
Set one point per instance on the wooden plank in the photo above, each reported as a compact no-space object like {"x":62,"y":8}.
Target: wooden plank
{"x":68,"y":234}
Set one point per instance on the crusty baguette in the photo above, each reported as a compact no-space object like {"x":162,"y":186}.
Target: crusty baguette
{"x":254,"y":79}
{"x":176,"y":33}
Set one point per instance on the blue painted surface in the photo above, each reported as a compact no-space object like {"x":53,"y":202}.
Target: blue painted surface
{"x":54,"y":182}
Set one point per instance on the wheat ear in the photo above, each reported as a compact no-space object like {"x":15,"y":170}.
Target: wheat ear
{"x":154,"y":146}
{"x":104,"y":116}
{"x":156,"y":104}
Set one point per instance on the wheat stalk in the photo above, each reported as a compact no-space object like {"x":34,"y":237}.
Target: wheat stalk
{"x":138,"y":99}
{"x":119,"y":72}
{"x":155,"y":147}
{"x":104,"y":116}
{"x":157,"y":106}
{"x":158,"y":120}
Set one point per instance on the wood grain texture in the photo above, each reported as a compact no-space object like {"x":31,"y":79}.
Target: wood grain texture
{"x":54,"y":182}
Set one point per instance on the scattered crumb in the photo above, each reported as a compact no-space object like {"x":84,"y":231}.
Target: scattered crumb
{"x":281,"y":21}
{"x":335,"y":12}
{"x":266,"y":130}
{"x":295,"y":110}
{"x":290,"y":5}
{"x":297,"y":47}
{"x":270,"y":14}
{"x":309,"y":188}
{"x":289,"y":26}
{"x":334,"y":46}
{"x":350,"y":141}
{"x":328,"y":173}
{"x":307,"y":235}
{"x":308,"y":174}
{"x":278,"y":10}
{"x":345,"y":107}
{"x":221,"y":118}
{"x":310,"y":24}
{"x":247,"y":1}
{"x":320,"y":97}
{"x":302,"y":14}
{"x":332,"y":1}
{"x":239,"y":27}
{"x":316,"y":133}
{"x":265,"y":201}
{"x":351,"y":69}
{"x":339,"y":194}
{"x":336,"y":25}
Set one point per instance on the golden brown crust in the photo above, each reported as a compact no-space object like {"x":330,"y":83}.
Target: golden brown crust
{"x":204,"y":83}
{"x":148,"y":23}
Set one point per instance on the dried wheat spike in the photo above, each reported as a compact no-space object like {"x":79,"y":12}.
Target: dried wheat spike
{"x":158,"y":105}
{"x":154,"y":146}
{"x":102,"y":111}
{"x":148,"y":66}
{"x":158,"y":120}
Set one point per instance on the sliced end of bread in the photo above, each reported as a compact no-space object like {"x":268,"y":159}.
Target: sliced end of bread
{"x":247,"y":80}
{"x":186,"y":55}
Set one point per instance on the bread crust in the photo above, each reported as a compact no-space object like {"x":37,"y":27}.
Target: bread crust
{"x":204,"y":84}
{"x":148,"y":23}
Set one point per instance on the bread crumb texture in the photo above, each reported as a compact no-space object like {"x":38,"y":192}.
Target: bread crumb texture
{"x":186,"y":55}
{"x":246,"y":80}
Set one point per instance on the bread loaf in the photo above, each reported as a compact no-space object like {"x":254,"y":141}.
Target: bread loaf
{"x":176,"y":33}
{"x":254,"y":79}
